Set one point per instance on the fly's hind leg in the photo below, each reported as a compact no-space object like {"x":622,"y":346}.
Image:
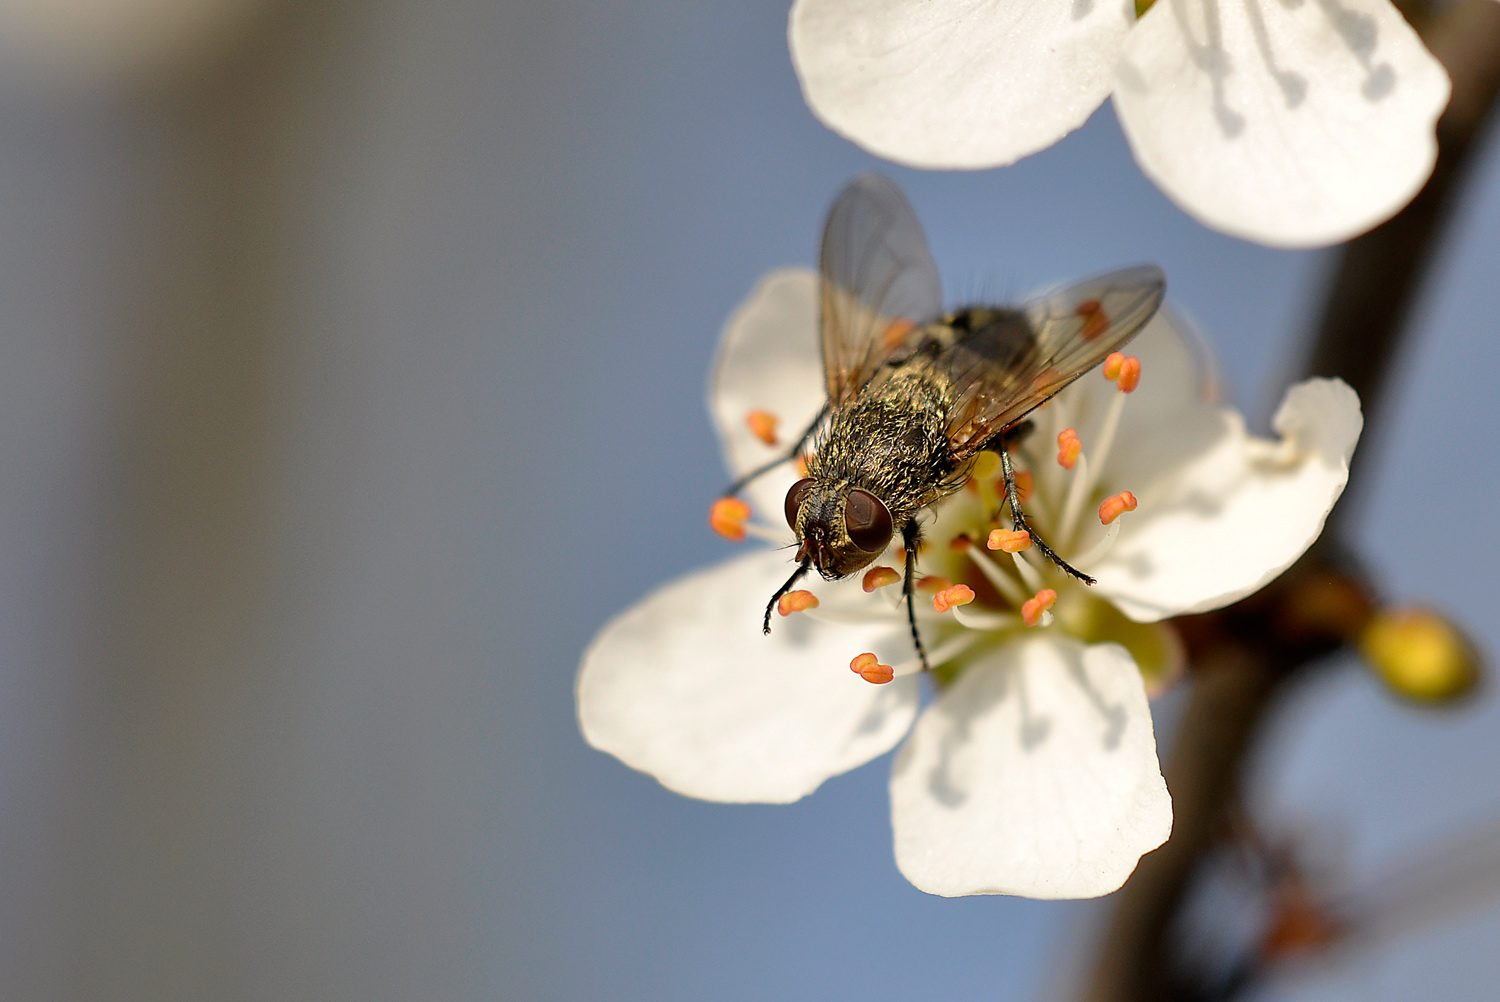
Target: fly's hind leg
{"x":911,"y":535}
{"x":767,"y":467}
{"x":1018,"y":519}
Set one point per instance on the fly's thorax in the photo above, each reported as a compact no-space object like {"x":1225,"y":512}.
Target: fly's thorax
{"x":893,"y":440}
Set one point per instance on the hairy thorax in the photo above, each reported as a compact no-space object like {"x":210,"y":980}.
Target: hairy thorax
{"x":893,"y":440}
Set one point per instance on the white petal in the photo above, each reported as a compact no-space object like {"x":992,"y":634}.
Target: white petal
{"x":683,"y":686}
{"x":768,"y":360}
{"x":1292,"y":124}
{"x":1035,"y":773}
{"x":1222,"y":512}
{"x":956,"y":83}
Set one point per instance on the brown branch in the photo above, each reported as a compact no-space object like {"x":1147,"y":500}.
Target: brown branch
{"x":1244,"y":654}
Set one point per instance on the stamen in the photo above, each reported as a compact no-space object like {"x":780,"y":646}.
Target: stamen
{"x":879,"y":577}
{"x":766,"y":533}
{"x":1008,"y":541}
{"x":1033,"y":608}
{"x":801,"y":465}
{"x":1086,"y":478}
{"x":1029,"y":574}
{"x":1116,"y":505}
{"x":868,"y":667}
{"x":1130,"y":375}
{"x":932,"y":582}
{"x":728,"y":516}
{"x":1078,"y":488}
{"x":938,"y":655}
{"x":762,"y":426}
{"x":1003,"y":582}
{"x":981,"y":620}
{"x":1112,"y":366}
{"x":1096,"y":552}
{"x":960,"y":542}
{"x":948,"y":598}
{"x":796,"y":601}
{"x":1068,"y":448}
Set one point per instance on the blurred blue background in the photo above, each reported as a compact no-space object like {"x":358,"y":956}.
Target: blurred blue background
{"x":351,"y":375}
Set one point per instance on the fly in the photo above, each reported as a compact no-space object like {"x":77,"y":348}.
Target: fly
{"x":914,"y":394}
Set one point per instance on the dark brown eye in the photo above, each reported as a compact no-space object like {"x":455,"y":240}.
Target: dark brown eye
{"x":794,"y":500}
{"x":867,"y":521}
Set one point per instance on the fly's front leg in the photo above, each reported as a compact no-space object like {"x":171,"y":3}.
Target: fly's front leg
{"x":764,"y":468}
{"x":1018,"y":519}
{"x":911,"y":535}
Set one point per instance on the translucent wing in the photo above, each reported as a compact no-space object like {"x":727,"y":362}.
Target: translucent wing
{"x":1016,"y":360}
{"x":879,"y":284}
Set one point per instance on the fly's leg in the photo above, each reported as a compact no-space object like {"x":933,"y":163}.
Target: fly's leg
{"x":910,"y":536}
{"x":765,"y":625}
{"x":1018,"y":520}
{"x":739,"y":484}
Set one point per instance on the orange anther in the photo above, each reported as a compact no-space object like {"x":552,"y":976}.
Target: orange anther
{"x":869,"y":668}
{"x":1116,"y":505}
{"x":1024,"y":484}
{"x":946,"y":599}
{"x":1112,"y":366}
{"x":1068,"y":448}
{"x":1032,"y":608}
{"x":879,"y":577}
{"x":1007,"y":541}
{"x":1094,"y":320}
{"x":801,"y":465}
{"x":762,"y":426}
{"x":728,"y":517}
{"x":796,"y":601}
{"x":1130,"y":375}
{"x":933,"y":583}
{"x":960,"y":542}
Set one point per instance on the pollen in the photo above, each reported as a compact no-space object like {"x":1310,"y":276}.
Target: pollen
{"x":728,"y":517}
{"x":1116,"y":505}
{"x":868,"y":667}
{"x":879,"y":577}
{"x":949,"y":597}
{"x":1068,"y":448}
{"x":801,"y":465}
{"x":1094,"y":320}
{"x":1032,"y":608}
{"x":796,"y":601}
{"x":1112,"y":366}
{"x":1130,"y":375}
{"x":762,"y":425}
{"x":933,"y":583}
{"x":1007,"y":541}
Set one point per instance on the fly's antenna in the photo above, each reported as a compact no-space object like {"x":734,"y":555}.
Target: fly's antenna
{"x":765,"y":626}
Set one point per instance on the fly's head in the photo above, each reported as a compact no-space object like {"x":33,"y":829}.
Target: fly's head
{"x":841,"y":528}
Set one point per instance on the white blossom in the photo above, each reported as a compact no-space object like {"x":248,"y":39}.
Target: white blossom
{"x":1290,"y":123}
{"x":1033,"y":770}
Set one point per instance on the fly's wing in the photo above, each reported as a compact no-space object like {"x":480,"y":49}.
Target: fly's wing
{"x":879,"y":285}
{"x":1003,"y":373}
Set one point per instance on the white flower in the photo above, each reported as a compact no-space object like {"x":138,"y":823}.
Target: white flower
{"x":1294,"y":123}
{"x":1034,"y":769}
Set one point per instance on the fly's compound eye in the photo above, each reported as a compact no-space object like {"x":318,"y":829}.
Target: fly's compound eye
{"x":867,"y":521}
{"x":794,"y":500}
